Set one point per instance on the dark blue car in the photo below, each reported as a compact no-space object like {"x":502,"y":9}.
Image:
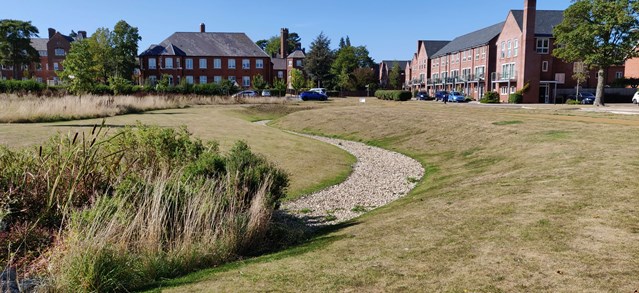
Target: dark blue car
{"x":441,"y":95}
{"x":305,"y":96}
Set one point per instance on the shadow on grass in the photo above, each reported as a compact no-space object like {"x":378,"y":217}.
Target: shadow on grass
{"x":92,"y":125}
{"x":314,"y":238}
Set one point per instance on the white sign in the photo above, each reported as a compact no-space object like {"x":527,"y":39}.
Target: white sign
{"x":362,"y":100}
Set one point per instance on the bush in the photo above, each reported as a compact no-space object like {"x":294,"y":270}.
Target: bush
{"x":21,"y":87}
{"x":395,"y":95}
{"x":515,"y":98}
{"x":572,"y":102}
{"x":490,"y":98}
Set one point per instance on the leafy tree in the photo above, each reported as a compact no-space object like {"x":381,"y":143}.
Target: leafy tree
{"x":363,"y":58}
{"x":345,"y":60}
{"x":272,"y":45}
{"x":262,"y":44}
{"x":101,"y":48}
{"x":298,"y":81}
{"x":80,"y":70}
{"x":344,"y":80}
{"x":259,"y":82}
{"x":15,"y":44}
{"x":319,"y":59}
{"x":279,"y":85}
{"x":125,"y":47}
{"x":601,"y":33}
{"x":394,"y":77}
{"x":362,"y":77}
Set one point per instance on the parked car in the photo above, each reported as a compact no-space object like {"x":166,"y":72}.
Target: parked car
{"x":312,"y":95}
{"x":266,"y":93}
{"x":441,"y":95}
{"x":456,"y":97}
{"x":635,"y":98}
{"x":584,"y":98}
{"x":247,"y":93}
{"x":423,"y":96}
{"x":319,"y":90}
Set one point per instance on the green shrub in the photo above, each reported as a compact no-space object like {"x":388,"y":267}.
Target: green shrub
{"x":572,"y":102}
{"x":490,"y":98}
{"x":120,"y":86}
{"x":516,"y":98}
{"x":21,"y":87}
{"x":395,"y":95}
{"x":101,"y":90}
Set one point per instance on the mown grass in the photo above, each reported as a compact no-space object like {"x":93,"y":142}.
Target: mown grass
{"x":546,"y":205}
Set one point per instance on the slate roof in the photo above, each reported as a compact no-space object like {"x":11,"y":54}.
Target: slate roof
{"x":207,"y":44}
{"x":279,"y":63}
{"x":471,"y":40}
{"x":390,"y":63}
{"x":433,"y":47}
{"x":39,"y":44}
{"x":297,"y":54}
{"x":545,"y":20}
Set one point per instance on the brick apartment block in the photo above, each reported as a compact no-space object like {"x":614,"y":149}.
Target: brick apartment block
{"x":502,"y":58}
{"x":385,"y":68}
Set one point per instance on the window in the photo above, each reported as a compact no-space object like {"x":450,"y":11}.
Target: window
{"x":39,"y":79}
{"x":464,"y":56}
{"x":544,"y":66}
{"x":168,"y":63}
{"x":56,"y":67}
{"x":503,"y":90}
{"x":232,"y":78}
{"x":503,"y":50}
{"x":479,"y":72}
{"x":510,"y":49}
{"x":170,"y":79}
{"x":290,"y":63}
{"x":246,"y":64}
{"x":203,"y":63}
{"x":246,"y":81}
{"x":516,"y":51}
{"x":38,"y":67}
{"x":217,"y":63}
{"x":189,"y":79}
{"x":60,"y":52}
{"x":188,"y":63}
{"x":466,"y":73}
{"x":152,"y":63}
{"x":231,"y":63}
{"x":483,"y":53}
{"x":259,"y":63}
{"x":178,"y":62}
{"x":43,"y":53}
{"x":203,"y":80}
{"x":618,"y":74}
{"x":298,"y":63}
{"x":152,"y":79}
{"x":508,"y":71}
{"x":217,"y":79}
{"x":542,"y":45}
{"x":477,"y":54}
{"x":280,"y":74}
{"x":512,"y":89}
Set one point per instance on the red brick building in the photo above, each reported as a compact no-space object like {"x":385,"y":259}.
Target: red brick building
{"x":421,"y":63}
{"x":385,"y":68}
{"x":201,"y":57}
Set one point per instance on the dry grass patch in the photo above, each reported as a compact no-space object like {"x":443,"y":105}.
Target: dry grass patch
{"x":546,"y":205}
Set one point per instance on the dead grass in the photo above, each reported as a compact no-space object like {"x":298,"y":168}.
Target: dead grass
{"x":546,"y":205}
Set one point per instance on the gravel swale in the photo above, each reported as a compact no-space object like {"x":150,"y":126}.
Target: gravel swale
{"x":378,"y":178}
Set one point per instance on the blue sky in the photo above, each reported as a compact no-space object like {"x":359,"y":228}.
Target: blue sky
{"x":389,"y":29}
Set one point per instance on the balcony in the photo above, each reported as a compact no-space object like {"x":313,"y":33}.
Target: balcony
{"x":504,"y":76}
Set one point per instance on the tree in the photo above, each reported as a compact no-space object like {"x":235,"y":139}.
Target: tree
{"x":279,"y":85}
{"x":319,"y":59}
{"x":262,"y":44}
{"x":344,"y":80}
{"x":80,"y":70}
{"x":298,"y":81}
{"x":363,"y":58}
{"x":15,"y":44}
{"x":259,"y":82}
{"x":363,"y":77}
{"x":101,"y":48}
{"x":600,"y":33}
{"x":394,"y":77}
{"x":345,"y":61}
{"x":272,"y":45}
{"x":125,"y":49}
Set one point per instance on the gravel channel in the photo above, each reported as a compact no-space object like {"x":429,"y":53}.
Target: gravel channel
{"x":378,"y":178}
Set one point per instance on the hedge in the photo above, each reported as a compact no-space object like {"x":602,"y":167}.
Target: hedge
{"x":490,"y":98}
{"x":515,"y":98}
{"x":394,"y":95}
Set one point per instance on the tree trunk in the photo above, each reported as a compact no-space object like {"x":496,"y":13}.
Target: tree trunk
{"x":599,"y":97}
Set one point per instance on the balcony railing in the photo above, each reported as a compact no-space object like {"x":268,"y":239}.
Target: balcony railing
{"x":504,"y":76}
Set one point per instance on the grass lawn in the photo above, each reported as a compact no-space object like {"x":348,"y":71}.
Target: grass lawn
{"x":515,"y":200}
{"x":312,"y":165}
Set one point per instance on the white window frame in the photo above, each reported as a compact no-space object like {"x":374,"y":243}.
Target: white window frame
{"x":217,"y":79}
{"x":188,"y":63}
{"x":516,"y":48}
{"x":503,"y":49}
{"x":510,"y":49}
{"x":483,"y":71}
{"x":298,"y":63}
{"x":259,"y":63}
{"x":483,"y":53}
{"x":60,"y":52}
{"x":153,"y":63}
{"x":246,"y":63}
{"x":56,"y":66}
{"x":203,"y":63}
{"x":246,"y":81}
{"x":217,"y":63}
{"x":168,"y":63}
{"x":618,"y":74}
{"x":231,"y":64}
{"x":544,"y":66}
{"x":544,"y":47}
{"x":280,"y":74}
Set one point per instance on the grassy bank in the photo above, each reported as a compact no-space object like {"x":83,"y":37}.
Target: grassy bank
{"x":515,"y":200}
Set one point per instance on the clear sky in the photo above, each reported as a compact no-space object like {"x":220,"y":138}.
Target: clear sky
{"x":389,"y":29}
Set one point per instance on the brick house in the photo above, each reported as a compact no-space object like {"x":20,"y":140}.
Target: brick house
{"x":52,"y":51}
{"x":386,"y":66}
{"x":202,"y":57}
{"x":294,"y":60}
{"x":421,"y":64}
{"x":463,"y":63}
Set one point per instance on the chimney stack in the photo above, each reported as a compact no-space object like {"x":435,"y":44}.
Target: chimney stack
{"x":531,"y":62}
{"x":51,"y":32}
{"x":284,"y":43}
{"x":82,"y":35}
{"x":202,"y":28}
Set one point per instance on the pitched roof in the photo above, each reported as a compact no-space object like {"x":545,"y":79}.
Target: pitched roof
{"x":433,"y":46}
{"x":39,"y":44}
{"x":471,"y":40}
{"x":279,"y":63}
{"x":297,"y":54}
{"x":207,"y":44}
{"x":390,"y":63}
{"x":545,"y":20}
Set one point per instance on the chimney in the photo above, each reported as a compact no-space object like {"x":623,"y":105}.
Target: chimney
{"x":51,"y":32}
{"x":529,"y":72}
{"x":284,"y":42}
{"x":82,"y":35}
{"x":202,"y":28}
